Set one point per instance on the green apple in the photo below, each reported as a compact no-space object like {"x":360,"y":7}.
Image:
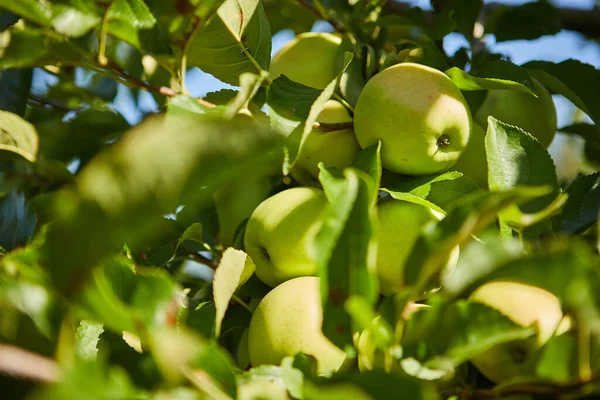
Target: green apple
{"x":473,"y":162}
{"x":310,"y":59}
{"x":525,"y":305}
{"x":420,"y":116}
{"x":280,"y":231}
{"x":400,"y":224}
{"x":335,"y":148}
{"x":537,"y":116}
{"x":288,"y":321}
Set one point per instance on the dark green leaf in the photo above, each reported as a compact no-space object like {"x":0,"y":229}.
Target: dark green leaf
{"x":574,"y":80}
{"x":344,"y":249}
{"x":17,"y":221}
{"x":236,"y":39}
{"x":14,"y":90}
{"x":465,"y":14}
{"x":369,"y":161}
{"x":583,"y":206}
{"x":160,"y":250}
{"x":528,"y":21}
{"x":34,"y":10}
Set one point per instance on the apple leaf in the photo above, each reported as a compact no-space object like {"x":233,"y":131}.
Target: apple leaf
{"x":17,"y":136}
{"x":574,"y":80}
{"x":477,"y":259}
{"x":583,"y":206}
{"x":411,"y":198}
{"x":289,"y":103}
{"x":378,"y":384}
{"x":469,"y":329}
{"x":501,"y":75}
{"x":121,"y":195}
{"x":443,"y":190}
{"x":236,"y":39}
{"x":515,"y":158}
{"x":17,"y":221}
{"x":474,"y":213}
{"x":363,"y":316}
{"x":465,"y":14}
{"x":528,"y":21}
{"x":160,"y":250}
{"x":14,"y":90}
{"x":345,"y":248}
{"x":233,"y":271}
{"x":369,"y":161}
{"x":272,"y":380}
{"x":592,"y":140}
{"x":86,"y":339}
{"x":37,"y":11}
{"x":249,"y":85}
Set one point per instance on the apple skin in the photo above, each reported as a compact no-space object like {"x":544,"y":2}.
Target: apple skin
{"x":310,"y":59}
{"x":420,"y":116}
{"x":525,"y":305}
{"x":335,"y":148}
{"x":288,"y":321}
{"x":473,"y":162}
{"x":279,"y":234}
{"x":400,"y":224}
{"x":536,"y":116}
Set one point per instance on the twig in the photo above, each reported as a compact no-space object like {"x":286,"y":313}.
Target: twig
{"x":336,"y":25}
{"x":206,"y":261}
{"x":24,"y":364}
{"x":326,"y":127}
{"x":50,"y":102}
{"x":132,"y":81}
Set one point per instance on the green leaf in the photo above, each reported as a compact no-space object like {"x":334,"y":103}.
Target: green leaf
{"x":411,"y":198}
{"x":17,"y":221}
{"x":379,"y":385}
{"x":288,"y":15}
{"x":369,"y":161}
{"x":233,"y":271}
{"x":345,"y":248}
{"x":73,"y":22}
{"x":592,"y":140}
{"x":443,"y":190}
{"x":528,"y":21}
{"x":86,"y":340}
{"x":473,"y":214}
{"x":501,"y":75}
{"x":30,"y":47}
{"x":122,"y":194}
{"x":14,"y":90}
{"x":133,"y":22}
{"x":469,"y":329}
{"x":574,"y":80}
{"x":465,"y":14}
{"x":271,"y":381}
{"x":249,"y":85}
{"x":515,"y":158}
{"x":236,"y":39}
{"x":160,"y":250}
{"x":17,"y":136}
{"x":37,"y":11}
{"x":583,"y":206}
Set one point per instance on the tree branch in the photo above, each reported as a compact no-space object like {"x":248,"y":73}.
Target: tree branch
{"x":586,"y":22}
{"x":306,"y":4}
{"x":24,"y":364}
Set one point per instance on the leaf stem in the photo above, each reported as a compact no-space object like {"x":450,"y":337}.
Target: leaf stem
{"x":242,"y":303}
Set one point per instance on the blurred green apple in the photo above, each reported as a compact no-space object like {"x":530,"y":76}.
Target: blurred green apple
{"x":525,"y":305}
{"x":310,"y":59}
{"x":420,"y":116}
{"x":335,"y":148}
{"x":400,"y":224}
{"x":536,"y":116}
{"x":280,"y":231}
{"x":473,"y":162}
{"x":288,"y":321}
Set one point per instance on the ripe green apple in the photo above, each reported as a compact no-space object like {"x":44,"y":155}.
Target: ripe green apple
{"x":400,"y":224}
{"x":335,"y":148}
{"x":310,"y":59}
{"x":473,"y":162}
{"x":525,"y":305}
{"x":536,"y":116}
{"x":420,"y":116}
{"x":279,"y":234}
{"x":288,"y":321}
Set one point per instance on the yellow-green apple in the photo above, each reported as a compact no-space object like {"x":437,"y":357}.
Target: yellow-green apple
{"x":310,"y":59}
{"x":400,"y":224}
{"x":525,"y":305}
{"x":536,"y":116}
{"x":473,"y":161}
{"x":334,"y":148}
{"x":280,"y":232}
{"x":420,"y":116}
{"x":289,"y":321}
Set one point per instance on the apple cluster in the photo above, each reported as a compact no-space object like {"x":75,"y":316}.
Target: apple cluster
{"x":425,"y":127}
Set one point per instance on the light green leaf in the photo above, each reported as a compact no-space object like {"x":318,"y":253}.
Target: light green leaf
{"x":236,"y":39}
{"x":468,"y":82}
{"x":411,"y":198}
{"x":72,"y":22}
{"x":249,"y":85}
{"x":38,"y":11}
{"x":86,"y":340}
{"x":17,"y":136}
{"x":233,"y":271}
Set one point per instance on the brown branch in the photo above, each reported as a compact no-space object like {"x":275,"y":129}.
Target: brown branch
{"x":586,"y":22}
{"x":24,"y":364}
{"x":326,"y":127}
{"x":44,"y":101}
{"x":212,"y":264}
{"x":132,"y":81}
{"x":336,"y":25}
{"x":521,"y":389}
